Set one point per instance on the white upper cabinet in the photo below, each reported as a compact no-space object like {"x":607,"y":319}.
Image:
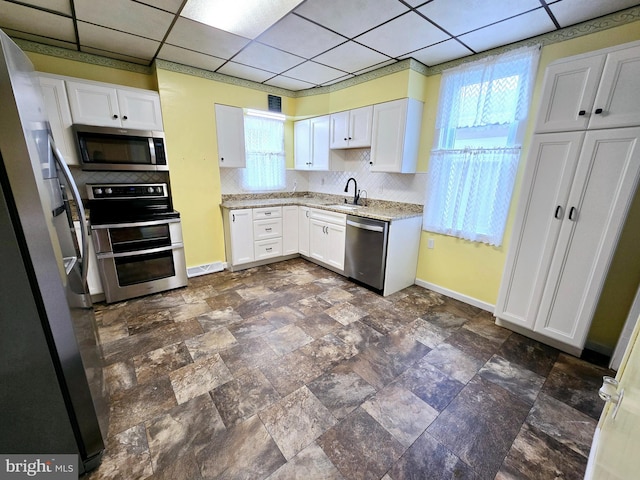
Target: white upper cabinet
{"x":230,"y":135}
{"x":311,"y":143}
{"x":59,"y":114}
{"x":396,"y":136}
{"x":591,"y":91}
{"x":108,"y":106}
{"x":351,"y":129}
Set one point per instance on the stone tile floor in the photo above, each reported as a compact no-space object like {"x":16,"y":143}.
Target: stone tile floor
{"x":289,"y":371}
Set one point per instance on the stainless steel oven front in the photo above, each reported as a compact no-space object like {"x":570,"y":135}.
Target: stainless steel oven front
{"x":139,"y":258}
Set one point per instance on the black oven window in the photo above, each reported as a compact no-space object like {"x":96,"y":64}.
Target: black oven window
{"x":144,"y":268}
{"x":131,"y":239}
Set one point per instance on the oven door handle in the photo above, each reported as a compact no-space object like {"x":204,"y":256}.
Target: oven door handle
{"x":84,"y":234}
{"x":135,"y":224}
{"x":175,"y":246}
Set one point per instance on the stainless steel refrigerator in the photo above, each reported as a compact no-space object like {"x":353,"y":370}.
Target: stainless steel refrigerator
{"x":52,"y":397}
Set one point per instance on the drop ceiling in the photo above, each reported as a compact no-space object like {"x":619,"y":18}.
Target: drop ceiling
{"x":304,"y":44}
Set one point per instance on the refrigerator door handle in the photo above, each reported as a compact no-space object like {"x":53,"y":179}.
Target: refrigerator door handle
{"x":84,"y":234}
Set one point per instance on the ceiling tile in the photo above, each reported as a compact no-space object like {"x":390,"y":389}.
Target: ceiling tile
{"x":474,"y":14}
{"x":189,"y":57}
{"x":202,"y":38}
{"x":299,"y":36}
{"x":37,"y":22}
{"x":267,"y":58}
{"x":350,"y":18}
{"x":340,"y":79}
{"x":441,"y":52}
{"x":403,"y":35}
{"x":117,"y":56}
{"x":62,"y":6}
{"x":125,"y":16}
{"x":350,"y":57}
{"x":38,"y":39}
{"x":376,"y":67}
{"x":168,"y":5}
{"x":117,"y":42}
{"x":509,"y":31}
{"x":289,"y":83}
{"x":570,"y":12}
{"x":242,"y":71}
{"x":313,"y":72}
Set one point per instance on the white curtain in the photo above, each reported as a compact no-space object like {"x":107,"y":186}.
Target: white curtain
{"x":264,"y":149}
{"x":467,"y":192}
{"x":482,"y":112}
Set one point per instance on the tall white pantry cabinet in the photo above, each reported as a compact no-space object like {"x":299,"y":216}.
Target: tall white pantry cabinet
{"x":581,"y":175}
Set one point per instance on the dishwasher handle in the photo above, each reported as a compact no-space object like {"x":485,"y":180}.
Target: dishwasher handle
{"x":364,"y":226}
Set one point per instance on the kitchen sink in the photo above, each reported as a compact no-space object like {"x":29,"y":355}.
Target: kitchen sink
{"x":345,"y":206}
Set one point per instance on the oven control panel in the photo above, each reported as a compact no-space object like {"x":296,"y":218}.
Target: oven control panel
{"x":126,"y":190}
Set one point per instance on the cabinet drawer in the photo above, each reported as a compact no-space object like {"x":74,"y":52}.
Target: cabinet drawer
{"x":269,"y":228}
{"x":329,"y":217}
{"x":268,"y":248}
{"x":267,"y":212}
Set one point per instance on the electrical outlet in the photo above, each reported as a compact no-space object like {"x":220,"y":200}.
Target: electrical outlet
{"x":430,"y":243}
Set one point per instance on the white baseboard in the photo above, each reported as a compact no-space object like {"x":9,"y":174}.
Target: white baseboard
{"x":205,"y":269}
{"x":457,"y":295}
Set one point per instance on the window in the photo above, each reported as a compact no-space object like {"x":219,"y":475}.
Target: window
{"x":264,"y":150}
{"x":482,"y":113}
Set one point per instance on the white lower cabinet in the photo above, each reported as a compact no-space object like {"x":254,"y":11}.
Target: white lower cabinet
{"x":254,"y":236}
{"x":304,"y":218}
{"x":290,"y":231}
{"x":240,"y":227}
{"x":577,"y":189}
{"x":327,"y":236}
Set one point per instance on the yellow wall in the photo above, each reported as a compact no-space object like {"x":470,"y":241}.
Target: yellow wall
{"x":473,"y":269}
{"x":97,"y":73}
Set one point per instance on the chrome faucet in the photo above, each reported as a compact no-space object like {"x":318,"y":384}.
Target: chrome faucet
{"x":356,"y":193}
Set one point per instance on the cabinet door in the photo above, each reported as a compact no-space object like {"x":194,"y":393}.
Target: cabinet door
{"x":303,"y":230}
{"x":140,"y":110}
{"x":59,"y":114}
{"x":568,"y":95}
{"x":360,"y":123}
{"x":395,"y":136}
{"x":605,"y":181}
{"x":93,"y":104}
{"x":615,"y":445}
{"x":617,"y":102}
{"x":290,"y":230}
{"x":301,"y":145}
{"x":319,"y":132}
{"x":339,"y":130}
{"x":317,"y":239}
{"x":241,"y":230}
{"x":335,"y":245}
{"x":230,"y":135}
{"x":548,"y":176}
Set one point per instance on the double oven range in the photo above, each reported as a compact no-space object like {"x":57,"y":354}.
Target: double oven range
{"x":137,"y":238}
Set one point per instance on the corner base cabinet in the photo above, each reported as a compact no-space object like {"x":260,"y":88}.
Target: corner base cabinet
{"x":577,"y":189}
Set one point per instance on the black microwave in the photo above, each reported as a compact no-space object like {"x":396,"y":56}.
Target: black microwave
{"x":120,"y":149}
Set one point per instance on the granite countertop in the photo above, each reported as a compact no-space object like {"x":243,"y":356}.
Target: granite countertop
{"x":376,"y":209}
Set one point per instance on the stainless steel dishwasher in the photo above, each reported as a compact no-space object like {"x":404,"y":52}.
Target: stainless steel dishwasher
{"x":366,"y":251}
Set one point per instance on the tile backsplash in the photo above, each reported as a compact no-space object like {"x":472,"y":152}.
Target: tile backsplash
{"x":394,"y":187}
